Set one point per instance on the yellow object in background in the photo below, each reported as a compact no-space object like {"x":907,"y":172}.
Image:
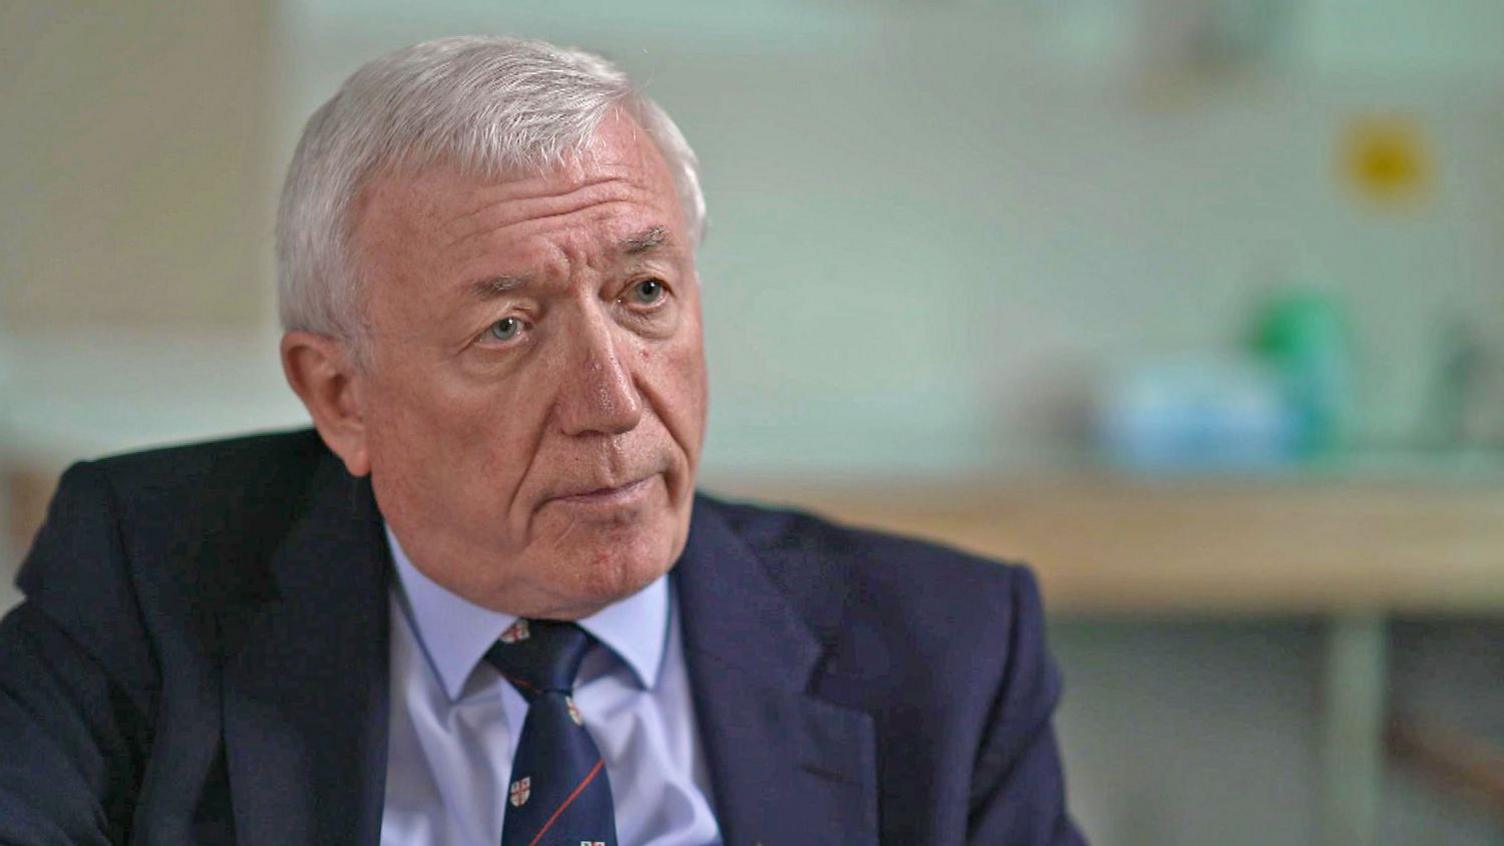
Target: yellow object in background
{"x":1387,"y":161}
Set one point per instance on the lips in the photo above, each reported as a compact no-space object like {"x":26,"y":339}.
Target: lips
{"x":607,"y":495}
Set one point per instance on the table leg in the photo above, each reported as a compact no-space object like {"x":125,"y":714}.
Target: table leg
{"x":1355,"y":688}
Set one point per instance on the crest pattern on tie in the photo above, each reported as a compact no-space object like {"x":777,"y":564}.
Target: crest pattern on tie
{"x":521,"y":790}
{"x":518,"y":631}
{"x":560,"y":795}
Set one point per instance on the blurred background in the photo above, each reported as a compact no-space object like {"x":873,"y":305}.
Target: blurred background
{"x":1195,"y":305}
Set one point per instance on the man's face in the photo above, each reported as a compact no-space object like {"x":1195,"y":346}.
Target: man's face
{"x":535,"y":396}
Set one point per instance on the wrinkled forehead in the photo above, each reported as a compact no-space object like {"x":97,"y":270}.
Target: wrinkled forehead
{"x":427,"y":236}
{"x":618,"y":162}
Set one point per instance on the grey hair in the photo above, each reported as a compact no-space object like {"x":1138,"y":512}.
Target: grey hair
{"x":485,"y":104}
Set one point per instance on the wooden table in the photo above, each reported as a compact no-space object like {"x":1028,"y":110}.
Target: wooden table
{"x":1107,"y":545}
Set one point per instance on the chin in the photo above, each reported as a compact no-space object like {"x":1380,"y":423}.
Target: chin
{"x":613,"y":566}
{"x":600,"y":555}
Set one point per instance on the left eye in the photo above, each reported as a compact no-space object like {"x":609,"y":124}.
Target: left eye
{"x":504,"y":329}
{"x":647,"y":292}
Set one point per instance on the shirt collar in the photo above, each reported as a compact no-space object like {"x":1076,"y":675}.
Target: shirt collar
{"x":455,"y":633}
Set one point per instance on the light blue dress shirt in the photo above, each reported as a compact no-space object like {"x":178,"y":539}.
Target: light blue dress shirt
{"x":454,"y":721}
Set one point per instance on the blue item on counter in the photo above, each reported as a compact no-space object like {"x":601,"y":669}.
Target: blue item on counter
{"x":1197,"y":414}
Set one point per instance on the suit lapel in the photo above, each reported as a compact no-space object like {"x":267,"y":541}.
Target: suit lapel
{"x":305,"y":678}
{"x":786,"y":767}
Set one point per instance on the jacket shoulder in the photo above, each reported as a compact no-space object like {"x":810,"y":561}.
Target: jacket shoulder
{"x":838,"y":573}
{"x":225,"y":462}
{"x":242,"y":490}
{"x":134,"y":539}
{"x":946,"y":651}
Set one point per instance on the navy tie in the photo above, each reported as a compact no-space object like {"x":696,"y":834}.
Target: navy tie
{"x":559,"y":795}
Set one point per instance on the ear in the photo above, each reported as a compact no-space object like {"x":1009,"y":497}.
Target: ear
{"x":323,"y":373}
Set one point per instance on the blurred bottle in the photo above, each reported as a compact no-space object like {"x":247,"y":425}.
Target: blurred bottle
{"x":1304,"y":335}
{"x":1466,"y":402}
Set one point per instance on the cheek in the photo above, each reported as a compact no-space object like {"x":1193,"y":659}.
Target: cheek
{"x":677,"y":373}
{"x":452,"y":444}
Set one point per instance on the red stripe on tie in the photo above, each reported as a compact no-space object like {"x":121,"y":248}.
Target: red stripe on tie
{"x":569,"y":800}
{"x":519,"y":682}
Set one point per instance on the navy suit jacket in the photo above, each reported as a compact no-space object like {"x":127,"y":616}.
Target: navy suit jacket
{"x":202,"y":658}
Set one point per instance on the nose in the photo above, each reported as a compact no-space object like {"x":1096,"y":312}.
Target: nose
{"x":597,"y":394}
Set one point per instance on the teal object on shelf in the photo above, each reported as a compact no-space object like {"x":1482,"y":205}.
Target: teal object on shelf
{"x":1304,"y":335}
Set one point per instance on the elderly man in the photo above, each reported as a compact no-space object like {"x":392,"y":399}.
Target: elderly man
{"x":483,"y":602}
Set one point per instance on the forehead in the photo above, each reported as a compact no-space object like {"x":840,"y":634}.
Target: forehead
{"x":618,"y":186}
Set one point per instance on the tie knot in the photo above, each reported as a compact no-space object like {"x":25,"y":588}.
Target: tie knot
{"x":537,"y":656}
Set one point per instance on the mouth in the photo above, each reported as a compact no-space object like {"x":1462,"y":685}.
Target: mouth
{"x":609,"y":497}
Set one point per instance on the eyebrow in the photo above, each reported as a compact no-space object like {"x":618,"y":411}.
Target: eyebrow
{"x":644,"y":241}
{"x":496,"y":286}
{"x":640,"y":243}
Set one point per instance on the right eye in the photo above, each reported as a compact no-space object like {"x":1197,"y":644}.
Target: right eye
{"x":504,"y":329}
